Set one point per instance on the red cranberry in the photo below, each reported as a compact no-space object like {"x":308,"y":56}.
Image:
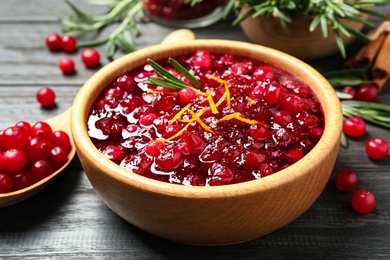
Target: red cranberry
{"x":41,"y":169}
{"x":46,"y":97}
{"x":53,"y":42}
{"x":169,"y":159}
{"x":346,"y":180}
{"x":367,"y":92}
{"x":377,"y":148}
{"x":354,"y":126}
{"x":363,"y":201}
{"x":90,"y":57}
{"x":6,"y":183}
{"x":264,"y":73}
{"x":67,"y":66}
{"x":220,"y":174}
{"x":69,"y":43}
{"x":186,"y":95}
{"x":22,"y":179}
{"x":126,"y":83}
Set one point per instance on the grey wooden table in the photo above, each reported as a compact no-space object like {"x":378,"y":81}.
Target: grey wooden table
{"x":67,"y":220}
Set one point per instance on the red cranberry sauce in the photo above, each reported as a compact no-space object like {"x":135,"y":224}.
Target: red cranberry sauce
{"x":250,"y":120}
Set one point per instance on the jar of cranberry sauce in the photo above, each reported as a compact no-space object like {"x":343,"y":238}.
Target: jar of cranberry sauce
{"x":184,"y":14}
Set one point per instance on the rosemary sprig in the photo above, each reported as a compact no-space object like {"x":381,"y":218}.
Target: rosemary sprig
{"x":168,"y":80}
{"x":128,"y":13}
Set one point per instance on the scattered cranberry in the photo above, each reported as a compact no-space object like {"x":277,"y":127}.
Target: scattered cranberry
{"x":69,"y":44}
{"x":67,"y":66}
{"x":14,"y":137}
{"x":90,"y":57}
{"x":377,"y":148}
{"x":349,"y":90}
{"x":41,"y":169}
{"x":53,"y":42}
{"x":363,"y":201}
{"x":346,"y":180}
{"x":367,"y":92}
{"x":46,"y":97}
{"x":354,"y":126}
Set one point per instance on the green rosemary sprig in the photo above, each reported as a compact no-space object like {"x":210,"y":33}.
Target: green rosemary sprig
{"x":168,"y":80}
{"x":326,"y":14}
{"x":127,"y":13}
{"x":376,"y":113}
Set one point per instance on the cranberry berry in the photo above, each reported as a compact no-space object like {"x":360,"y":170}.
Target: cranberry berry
{"x":90,"y":57}
{"x":53,"y":42}
{"x":363,"y":201}
{"x":67,"y":66}
{"x":377,"y":148}
{"x":346,"y":180}
{"x":69,"y":44}
{"x":354,"y":126}
{"x":46,"y":97}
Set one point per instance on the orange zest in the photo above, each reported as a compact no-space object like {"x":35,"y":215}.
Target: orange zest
{"x":250,"y":100}
{"x":180,"y":113}
{"x":226,"y":84}
{"x":237,"y":116}
{"x":200,"y":122}
{"x":213,"y":107}
{"x":175,"y":135}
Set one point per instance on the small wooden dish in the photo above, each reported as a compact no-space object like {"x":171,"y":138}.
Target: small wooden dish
{"x":215,"y":215}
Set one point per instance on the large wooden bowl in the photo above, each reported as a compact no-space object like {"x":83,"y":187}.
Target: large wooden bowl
{"x":209,"y":215}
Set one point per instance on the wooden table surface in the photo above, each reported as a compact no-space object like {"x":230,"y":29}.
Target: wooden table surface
{"x":67,"y":220}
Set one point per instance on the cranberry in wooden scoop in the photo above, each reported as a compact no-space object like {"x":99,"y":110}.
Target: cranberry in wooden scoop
{"x":59,"y":122}
{"x":207,"y":215}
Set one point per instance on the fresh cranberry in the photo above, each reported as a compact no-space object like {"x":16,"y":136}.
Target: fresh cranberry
{"x":346,"y":180}
{"x":6,"y":183}
{"x":354,"y":126}
{"x":67,"y":66}
{"x":363,"y":201}
{"x":26,"y":126}
{"x":69,"y":44}
{"x":60,"y":138}
{"x":58,"y":157}
{"x":90,"y":57}
{"x":37,"y":149}
{"x":46,"y":97}
{"x":14,"y":137}
{"x":41,"y":169}
{"x":377,"y":148}
{"x":41,"y":129}
{"x":367,"y":92}
{"x":350,"y":91}
{"x":14,"y":160}
{"x":22,"y":179}
{"x":53,"y":42}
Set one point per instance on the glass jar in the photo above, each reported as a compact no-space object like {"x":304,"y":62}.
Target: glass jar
{"x":180,"y":13}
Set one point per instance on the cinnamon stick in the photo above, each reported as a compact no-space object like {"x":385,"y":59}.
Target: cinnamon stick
{"x":379,"y":83}
{"x":367,"y":54}
{"x":380,"y":68}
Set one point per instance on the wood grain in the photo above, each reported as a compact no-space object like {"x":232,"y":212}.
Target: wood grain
{"x":67,"y":220}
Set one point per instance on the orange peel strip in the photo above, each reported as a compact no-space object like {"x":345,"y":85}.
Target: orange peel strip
{"x":175,"y":135}
{"x":213,"y":107}
{"x":180,"y":113}
{"x":201,"y":123}
{"x":250,"y":100}
{"x":237,"y":116}
{"x":226,"y":84}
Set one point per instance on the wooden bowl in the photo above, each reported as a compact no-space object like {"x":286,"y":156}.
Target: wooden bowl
{"x":299,"y":42}
{"x":214,"y":215}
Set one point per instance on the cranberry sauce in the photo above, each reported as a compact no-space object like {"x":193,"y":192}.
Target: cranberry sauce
{"x":249,"y":120}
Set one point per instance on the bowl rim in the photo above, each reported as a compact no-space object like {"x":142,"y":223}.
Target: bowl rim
{"x":331,"y":109}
